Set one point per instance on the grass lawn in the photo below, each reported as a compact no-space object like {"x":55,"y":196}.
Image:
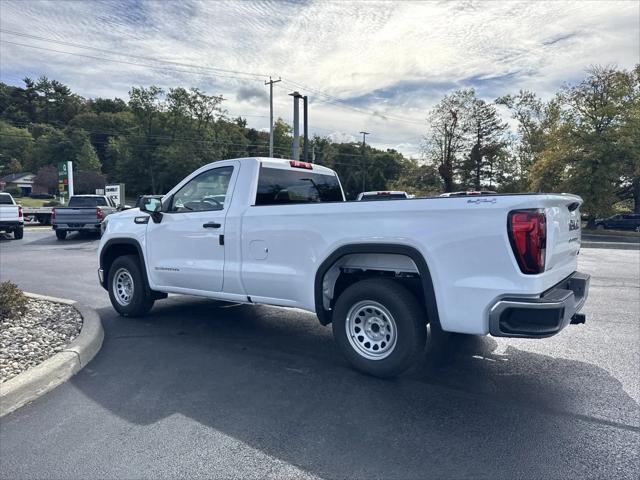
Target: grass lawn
{"x":30,"y":202}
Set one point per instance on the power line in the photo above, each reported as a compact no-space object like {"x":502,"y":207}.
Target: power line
{"x":153,"y":59}
{"x":328,"y":97}
{"x":155,"y":67}
{"x":336,"y":101}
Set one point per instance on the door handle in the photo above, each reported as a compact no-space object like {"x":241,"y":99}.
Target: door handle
{"x":211,"y":225}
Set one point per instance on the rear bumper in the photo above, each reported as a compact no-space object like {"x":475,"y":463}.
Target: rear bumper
{"x":77,"y":226}
{"x":542,"y":316}
{"x":10,"y":224}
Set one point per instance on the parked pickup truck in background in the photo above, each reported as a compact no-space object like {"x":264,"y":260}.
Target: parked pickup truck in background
{"x":84,"y":213}
{"x":381,"y":195}
{"x":11,"y":217}
{"x":278,"y":232}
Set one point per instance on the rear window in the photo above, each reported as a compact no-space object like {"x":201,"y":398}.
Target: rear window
{"x":88,"y":202}
{"x":278,"y":187}
{"x":5,"y":199}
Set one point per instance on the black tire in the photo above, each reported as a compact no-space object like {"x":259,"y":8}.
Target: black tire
{"x":409,"y":319}
{"x":18,"y":233}
{"x":61,"y":234}
{"x":142,"y":299}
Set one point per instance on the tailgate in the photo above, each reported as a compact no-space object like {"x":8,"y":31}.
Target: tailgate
{"x":563,"y":231}
{"x":9,"y":213}
{"x":76,"y":215}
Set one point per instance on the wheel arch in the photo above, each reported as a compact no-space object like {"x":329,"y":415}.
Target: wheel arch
{"x":430,"y":303}
{"x":117,"y":247}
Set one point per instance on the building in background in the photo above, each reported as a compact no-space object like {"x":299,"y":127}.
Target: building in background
{"x":21,"y":181}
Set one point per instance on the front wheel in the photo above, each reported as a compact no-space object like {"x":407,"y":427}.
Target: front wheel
{"x":128,"y":290}
{"x":379,"y":327}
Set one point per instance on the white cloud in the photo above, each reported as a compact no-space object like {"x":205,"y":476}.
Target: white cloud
{"x":396,"y":58}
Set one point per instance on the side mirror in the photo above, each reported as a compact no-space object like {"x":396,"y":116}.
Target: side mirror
{"x":152,"y":206}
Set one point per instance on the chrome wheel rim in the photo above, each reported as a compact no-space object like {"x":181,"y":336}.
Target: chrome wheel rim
{"x":371,"y":330}
{"x":123,"y":287}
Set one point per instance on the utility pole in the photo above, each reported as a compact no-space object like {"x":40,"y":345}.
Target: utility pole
{"x":296,"y":125}
{"x":306,"y":130}
{"x":270,"y":83}
{"x":364,"y":169}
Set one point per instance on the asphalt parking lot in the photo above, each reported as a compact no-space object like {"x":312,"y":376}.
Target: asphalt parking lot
{"x":205,"y":389}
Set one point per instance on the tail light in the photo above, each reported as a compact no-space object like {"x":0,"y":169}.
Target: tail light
{"x":99,"y":214}
{"x":53,"y":214}
{"x":528,"y":238}
{"x":19,"y":211}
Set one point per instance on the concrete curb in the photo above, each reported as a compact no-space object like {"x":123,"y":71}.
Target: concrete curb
{"x":36,"y":381}
{"x":611,"y":245}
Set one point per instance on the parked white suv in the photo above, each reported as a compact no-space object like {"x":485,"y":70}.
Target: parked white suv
{"x":278,"y":232}
{"x":11,"y":217}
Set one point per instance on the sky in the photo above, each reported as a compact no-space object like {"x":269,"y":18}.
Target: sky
{"x":377,"y":66}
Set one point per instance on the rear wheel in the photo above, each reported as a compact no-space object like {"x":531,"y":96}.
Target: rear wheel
{"x":128,"y":290}
{"x":61,"y":234}
{"x":18,"y":233}
{"x":379,"y":327}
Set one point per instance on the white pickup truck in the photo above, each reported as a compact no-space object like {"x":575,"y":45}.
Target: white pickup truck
{"x":279,"y":232}
{"x":11,"y":216}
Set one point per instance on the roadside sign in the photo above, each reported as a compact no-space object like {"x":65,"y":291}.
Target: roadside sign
{"x":65,"y":178}
{"x":115,"y":193}
{"x":99,"y":191}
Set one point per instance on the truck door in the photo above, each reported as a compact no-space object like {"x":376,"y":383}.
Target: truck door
{"x":185,"y":249}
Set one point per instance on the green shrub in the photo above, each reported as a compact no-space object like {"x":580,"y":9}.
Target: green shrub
{"x":12,"y":300}
{"x":52,"y":203}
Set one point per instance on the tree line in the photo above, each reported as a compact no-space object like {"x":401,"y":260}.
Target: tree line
{"x":584,"y":140}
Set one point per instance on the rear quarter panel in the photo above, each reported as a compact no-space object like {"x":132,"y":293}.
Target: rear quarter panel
{"x":464,"y":242}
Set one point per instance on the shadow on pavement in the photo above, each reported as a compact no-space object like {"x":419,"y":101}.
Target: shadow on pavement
{"x":274,"y":380}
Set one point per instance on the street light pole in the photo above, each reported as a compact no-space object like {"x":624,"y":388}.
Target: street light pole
{"x":364,"y":169}
{"x":306,"y":130}
{"x":296,"y":125}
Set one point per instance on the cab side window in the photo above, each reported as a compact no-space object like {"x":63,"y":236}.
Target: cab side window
{"x":206,"y":192}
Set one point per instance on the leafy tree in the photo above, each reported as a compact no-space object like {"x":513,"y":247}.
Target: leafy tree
{"x":586,"y":153}
{"x":87,"y":181}
{"x":282,"y":139}
{"x":46,"y":180}
{"x":16,"y":144}
{"x":108,"y":105}
{"x":54,"y":146}
{"x":417,"y":178}
{"x":447,"y":136}
{"x":101,"y":127}
{"x":531,"y":113}
{"x":486,"y":132}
